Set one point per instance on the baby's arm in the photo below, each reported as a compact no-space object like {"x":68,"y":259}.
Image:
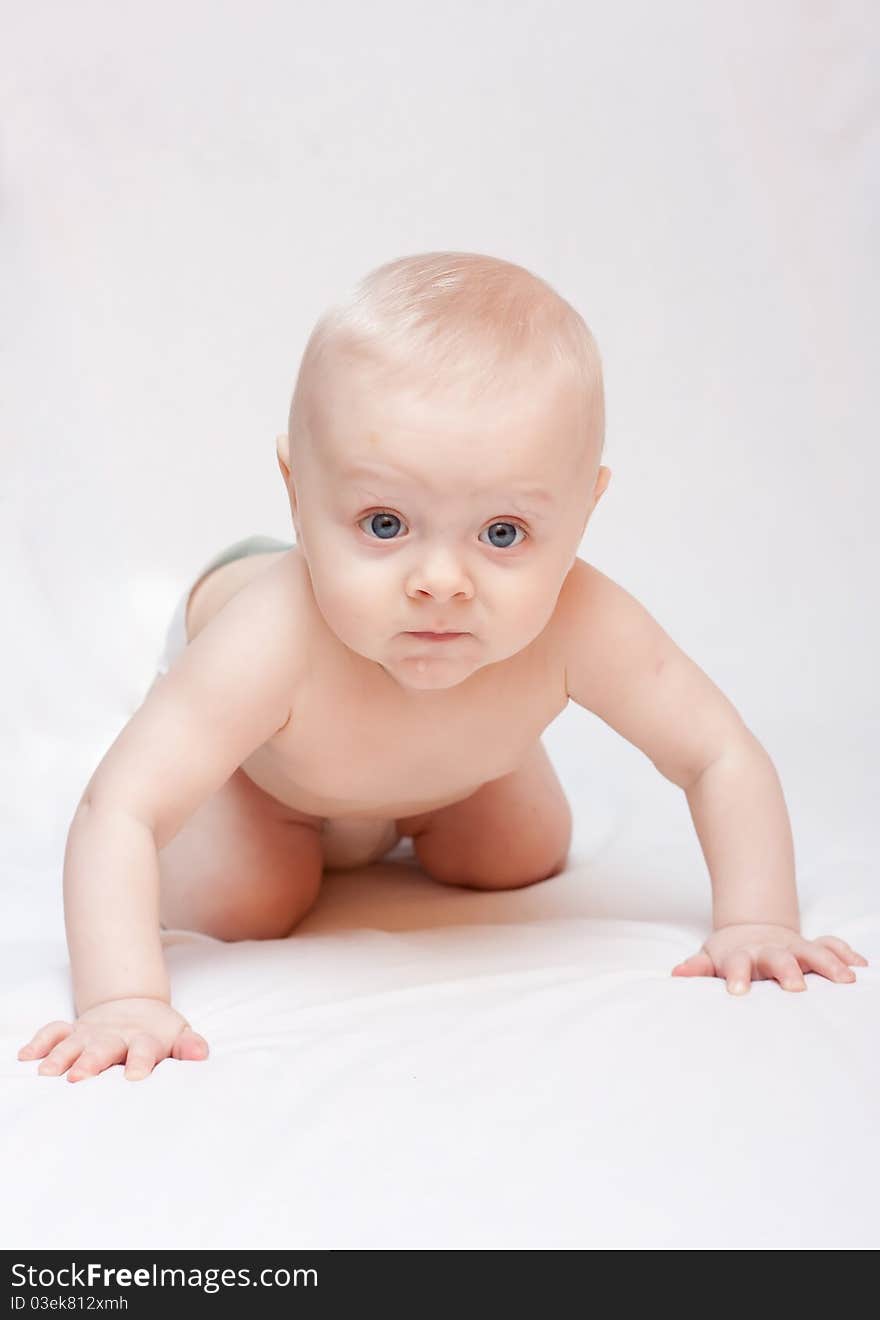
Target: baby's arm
{"x":622,"y":666}
{"x":225,"y":695}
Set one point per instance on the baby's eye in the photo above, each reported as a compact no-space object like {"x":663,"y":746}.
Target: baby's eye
{"x":504,"y":531}
{"x":384,"y":525}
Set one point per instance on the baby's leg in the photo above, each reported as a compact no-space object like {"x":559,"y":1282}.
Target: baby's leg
{"x":243,"y":867}
{"x":514,"y":831}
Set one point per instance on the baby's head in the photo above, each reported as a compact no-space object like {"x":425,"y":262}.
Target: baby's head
{"x":442,"y":461}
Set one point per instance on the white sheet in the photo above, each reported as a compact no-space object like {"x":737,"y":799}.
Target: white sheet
{"x":421,"y":1066}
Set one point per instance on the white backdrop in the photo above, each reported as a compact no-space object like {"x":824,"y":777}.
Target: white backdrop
{"x":187,"y":185}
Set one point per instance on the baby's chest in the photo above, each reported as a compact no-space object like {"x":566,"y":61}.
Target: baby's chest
{"x":344,"y":745}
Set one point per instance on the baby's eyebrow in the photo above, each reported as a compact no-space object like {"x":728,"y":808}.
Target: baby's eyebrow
{"x":536,"y":494}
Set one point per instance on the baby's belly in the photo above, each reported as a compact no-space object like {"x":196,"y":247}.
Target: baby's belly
{"x":354,"y":831}
{"x":391,"y":803}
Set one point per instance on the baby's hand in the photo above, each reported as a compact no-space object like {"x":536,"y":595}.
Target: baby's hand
{"x":143,"y":1031}
{"x":767,"y":952}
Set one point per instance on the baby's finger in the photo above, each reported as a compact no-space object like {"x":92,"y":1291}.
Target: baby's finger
{"x":780,"y":965}
{"x":842,"y":949}
{"x":44,"y":1039}
{"x":98,"y":1055}
{"x":190,"y":1045}
{"x":738,"y":970}
{"x":64,"y":1054}
{"x":142,"y":1055}
{"x":820,"y":959}
{"x":699,"y":964}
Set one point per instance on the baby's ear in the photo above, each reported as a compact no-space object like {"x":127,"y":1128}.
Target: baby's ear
{"x":602,"y":481}
{"x":283,"y":454}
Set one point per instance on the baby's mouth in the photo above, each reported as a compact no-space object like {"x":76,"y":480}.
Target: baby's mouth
{"x":438,"y":637}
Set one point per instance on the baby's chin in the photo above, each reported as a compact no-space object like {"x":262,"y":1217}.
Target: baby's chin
{"x":437,"y":667}
{"x":440,"y":666}
{"x":433,"y":666}
{"x":427,"y":675}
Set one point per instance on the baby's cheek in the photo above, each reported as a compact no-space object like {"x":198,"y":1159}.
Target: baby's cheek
{"x":345,"y":602}
{"x":532,"y":613}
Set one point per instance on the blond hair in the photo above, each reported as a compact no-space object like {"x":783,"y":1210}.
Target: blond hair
{"x":442,"y":318}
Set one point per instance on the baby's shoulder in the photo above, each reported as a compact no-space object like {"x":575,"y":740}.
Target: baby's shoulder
{"x":255,"y":604}
{"x":581,"y":587}
{"x":593,"y":609}
{"x":284,"y":591}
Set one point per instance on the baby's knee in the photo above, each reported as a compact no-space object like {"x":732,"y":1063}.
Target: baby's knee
{"x":260,"y":922}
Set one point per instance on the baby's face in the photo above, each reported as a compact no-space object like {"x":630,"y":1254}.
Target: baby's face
{"x":429,"y":515}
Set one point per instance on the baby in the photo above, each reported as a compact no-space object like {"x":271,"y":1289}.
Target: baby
{"x":391,"y":673}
